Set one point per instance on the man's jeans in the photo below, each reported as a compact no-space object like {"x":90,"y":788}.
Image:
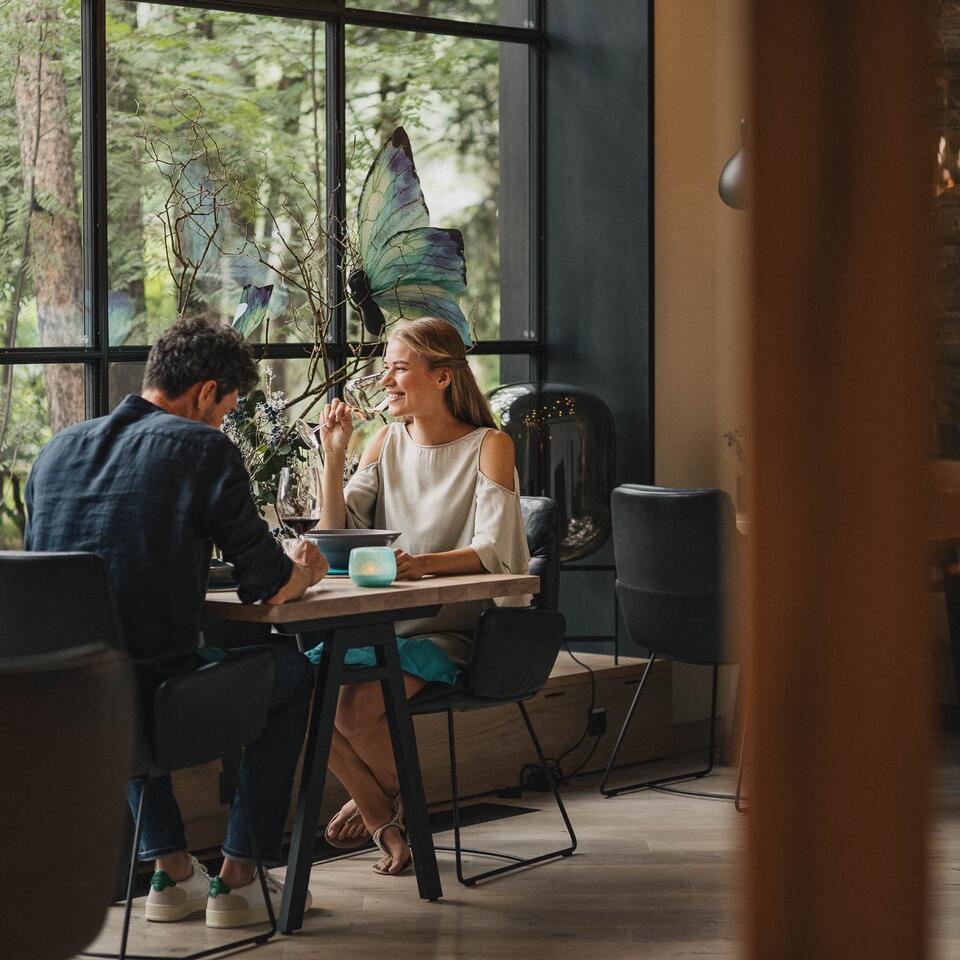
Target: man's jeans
{"x":266,"y":774}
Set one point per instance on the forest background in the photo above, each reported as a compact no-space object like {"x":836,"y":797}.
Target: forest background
{"x":256,"y":85}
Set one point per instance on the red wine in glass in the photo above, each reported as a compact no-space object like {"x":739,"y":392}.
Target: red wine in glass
{"x":298,"y":500}
{"x":300,"y":525}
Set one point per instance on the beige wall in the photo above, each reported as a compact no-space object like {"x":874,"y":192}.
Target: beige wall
{"x":700,"y":271}
{"x":701,"y":253}
{"x":700,"y":267}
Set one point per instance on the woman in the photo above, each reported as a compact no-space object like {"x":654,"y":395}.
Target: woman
{"x":444,"y":476}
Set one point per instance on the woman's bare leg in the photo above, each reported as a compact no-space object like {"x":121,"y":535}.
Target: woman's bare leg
{"x":375,"y":806}
{"x":362,"y":722}
{"x":362,"y":719}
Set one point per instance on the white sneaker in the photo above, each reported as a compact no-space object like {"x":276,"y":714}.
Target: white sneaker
{"x":244,"y":905}
{"x":168,"y":900}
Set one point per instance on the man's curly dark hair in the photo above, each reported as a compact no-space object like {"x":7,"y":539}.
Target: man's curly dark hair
{"x":198,"y":349}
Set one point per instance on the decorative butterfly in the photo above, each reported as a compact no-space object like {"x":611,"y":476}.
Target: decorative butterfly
{"x":120,"y":311}
{"x":408,"y":268}
{"x":252,"y":309}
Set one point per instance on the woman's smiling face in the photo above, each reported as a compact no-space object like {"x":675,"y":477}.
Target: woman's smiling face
{"x":413,"y":389}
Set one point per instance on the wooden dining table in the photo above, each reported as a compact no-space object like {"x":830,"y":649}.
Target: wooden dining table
{"x":343,"y":616}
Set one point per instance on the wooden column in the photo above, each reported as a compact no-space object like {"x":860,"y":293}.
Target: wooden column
{"x":839,"y":685}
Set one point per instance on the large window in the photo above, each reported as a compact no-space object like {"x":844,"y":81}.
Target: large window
{"x":157,"y":158}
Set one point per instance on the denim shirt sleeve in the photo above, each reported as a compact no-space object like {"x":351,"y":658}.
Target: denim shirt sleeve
{"x":260,"y":565}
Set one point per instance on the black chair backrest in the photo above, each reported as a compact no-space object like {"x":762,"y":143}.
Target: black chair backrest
{"x":502,"y":667}
{"x":204,"y":714}
{"x":514,"y":651}
{"x":674,"y":553}
{"x":64,"y":752}
{"x":55,"y":601}
{"x":541,"y":521}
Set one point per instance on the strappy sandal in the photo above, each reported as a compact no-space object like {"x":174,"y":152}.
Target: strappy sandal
{"x":395,"y":821}
{"x":351,"y":843}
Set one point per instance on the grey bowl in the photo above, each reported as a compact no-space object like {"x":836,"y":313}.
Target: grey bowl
{"x":336,"y":545}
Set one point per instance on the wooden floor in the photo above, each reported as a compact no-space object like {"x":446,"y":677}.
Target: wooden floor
{"x":945,"y":855}
{"x":654,"y":877}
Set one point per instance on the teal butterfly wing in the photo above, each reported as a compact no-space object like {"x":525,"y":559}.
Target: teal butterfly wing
{"x":120,"y":312}
{"x":427,"y":255}
{"x":391,"y":199}
{"x":411,"y":300}
{"x":252,"y":309}
{"x":402,"y":256}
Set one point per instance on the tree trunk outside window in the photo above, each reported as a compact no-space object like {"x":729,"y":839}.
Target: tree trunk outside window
{"x":56,"y":258}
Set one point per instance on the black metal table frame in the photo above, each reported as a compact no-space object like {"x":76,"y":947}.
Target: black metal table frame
{"x":340,"y":634}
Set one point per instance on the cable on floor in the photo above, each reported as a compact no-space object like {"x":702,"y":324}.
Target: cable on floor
{"x":531,"y":774}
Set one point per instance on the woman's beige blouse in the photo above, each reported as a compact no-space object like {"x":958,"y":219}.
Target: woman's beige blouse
{"x":439,"y":500}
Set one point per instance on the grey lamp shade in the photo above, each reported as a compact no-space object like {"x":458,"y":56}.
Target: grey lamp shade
{"x":733,"y":177}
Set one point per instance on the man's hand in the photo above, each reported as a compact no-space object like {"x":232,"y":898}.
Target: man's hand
{"x":410,"y":567}
{"x":306,"y":554}
{"x":309,"y":567}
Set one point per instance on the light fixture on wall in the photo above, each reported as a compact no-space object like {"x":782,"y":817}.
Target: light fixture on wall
{"x":733,"y":176}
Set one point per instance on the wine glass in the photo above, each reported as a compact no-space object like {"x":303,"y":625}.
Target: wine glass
{"x":366,"y":395}
{"x":298,"y":498}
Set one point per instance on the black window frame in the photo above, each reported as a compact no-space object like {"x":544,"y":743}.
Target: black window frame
{"x":337,"y":16}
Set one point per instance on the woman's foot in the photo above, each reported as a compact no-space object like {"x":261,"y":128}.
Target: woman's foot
{"x":396,"y":859}
{"x":347,"y":829}
{"x":391,"y":838}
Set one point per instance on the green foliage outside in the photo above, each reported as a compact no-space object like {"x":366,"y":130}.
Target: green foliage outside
{"x":257,"y":85}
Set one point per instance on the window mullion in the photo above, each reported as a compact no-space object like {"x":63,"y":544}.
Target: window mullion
{"x":336,"y":154}
{"x":94,"y":180}
{"x":538,"y":126}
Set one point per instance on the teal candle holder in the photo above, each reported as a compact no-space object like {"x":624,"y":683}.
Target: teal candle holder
{"x":373,"y":566}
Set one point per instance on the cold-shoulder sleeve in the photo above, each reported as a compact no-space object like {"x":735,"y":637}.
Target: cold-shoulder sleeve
{"x":499,"y":539}
{"x":360,"y":497}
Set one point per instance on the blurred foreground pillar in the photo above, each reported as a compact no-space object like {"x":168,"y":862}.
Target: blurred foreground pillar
{"x":839,"y":689}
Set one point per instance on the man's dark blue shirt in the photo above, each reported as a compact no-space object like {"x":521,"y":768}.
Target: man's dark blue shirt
{"x":151,"y":493}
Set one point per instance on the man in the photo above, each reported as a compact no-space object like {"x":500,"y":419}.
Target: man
{"x":151,"y":488}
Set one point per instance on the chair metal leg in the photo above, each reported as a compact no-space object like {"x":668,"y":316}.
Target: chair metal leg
{"x":664,"y":783}
{"x":738,"y":803}
{"x":261,"y":874}
{"x":626,"y":726}
{"x":251,"y":941}
{"x":616,"y":628}
{"x":518,"y":862}
{"x":128,"y":902}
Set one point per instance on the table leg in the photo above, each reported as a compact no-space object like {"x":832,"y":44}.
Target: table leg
{"x":319,"y":734}
{"x":407,"y":760}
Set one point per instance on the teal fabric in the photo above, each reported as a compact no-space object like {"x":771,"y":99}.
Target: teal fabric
{"x":212,"y":654}
{"x":418,"y":656}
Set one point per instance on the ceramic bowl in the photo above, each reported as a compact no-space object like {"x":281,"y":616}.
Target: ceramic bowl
{"x":336,"y":545}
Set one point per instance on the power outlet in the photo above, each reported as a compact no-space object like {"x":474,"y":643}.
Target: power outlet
{"x":597,"y":721}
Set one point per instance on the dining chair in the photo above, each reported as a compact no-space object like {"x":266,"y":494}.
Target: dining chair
{"x":195,"y":718}
{"x":514,"y":650}
{"x":674,"y":551}
{"x":54,"y":603}
{"x":64,"y":752}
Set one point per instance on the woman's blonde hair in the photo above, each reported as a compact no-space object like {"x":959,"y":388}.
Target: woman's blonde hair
{"x":440,"y":346}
